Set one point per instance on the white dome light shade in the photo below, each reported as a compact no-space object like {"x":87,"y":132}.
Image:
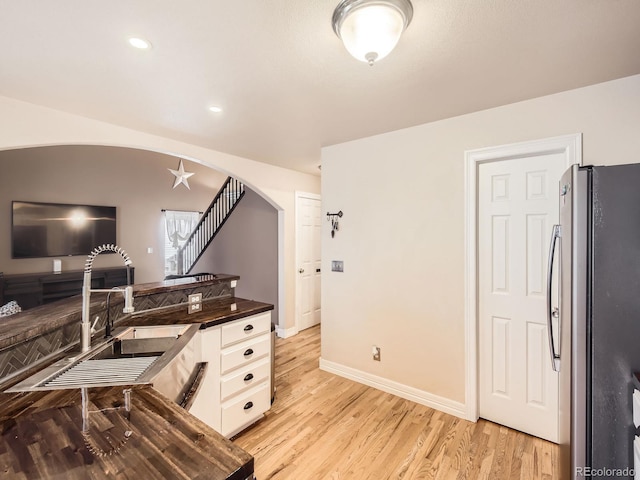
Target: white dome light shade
{"x":370,"y":29}
{"x":140,"y":43}
{"x":370,"y":33}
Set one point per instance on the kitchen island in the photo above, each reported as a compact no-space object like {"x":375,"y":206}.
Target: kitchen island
{"x":106,"y":432}
{"x":43,"y":438}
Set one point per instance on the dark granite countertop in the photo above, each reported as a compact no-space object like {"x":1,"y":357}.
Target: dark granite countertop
{"x":42,"y":437}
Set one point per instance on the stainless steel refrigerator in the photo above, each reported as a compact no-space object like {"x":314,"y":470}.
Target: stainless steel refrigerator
{"x":594,"y":318}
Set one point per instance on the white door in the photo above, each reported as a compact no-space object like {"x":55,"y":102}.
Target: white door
{"x":308,"y":235}
{"x":517,"y":207}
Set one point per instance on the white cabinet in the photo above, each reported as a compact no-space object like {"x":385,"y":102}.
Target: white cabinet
{"x":235,"y":392}
{"x":244,"y":409}
{"x":245,"y":378}
{"x":244,"y":353}
{"x":248,"y":327}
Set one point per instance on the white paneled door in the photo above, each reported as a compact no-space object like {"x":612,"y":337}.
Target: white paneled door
{"x":308,"y":234}
{"x":517,"y":207}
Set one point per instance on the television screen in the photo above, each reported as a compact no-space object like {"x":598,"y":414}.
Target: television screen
{"x":55,"y":229}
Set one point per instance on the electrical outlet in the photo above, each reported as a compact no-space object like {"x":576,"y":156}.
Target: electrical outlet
{"x":195,"y":302}
{"x":375,"y":351}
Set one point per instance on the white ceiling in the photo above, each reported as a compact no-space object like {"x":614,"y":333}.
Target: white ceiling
{"x":286,"y":83}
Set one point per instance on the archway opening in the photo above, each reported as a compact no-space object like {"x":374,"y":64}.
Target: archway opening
{"x":137,"y":182}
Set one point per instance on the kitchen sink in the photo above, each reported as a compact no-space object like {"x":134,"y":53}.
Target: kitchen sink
{"x":156,"y":331}
{"x":133,"y":356}
{"x":142,"y":341}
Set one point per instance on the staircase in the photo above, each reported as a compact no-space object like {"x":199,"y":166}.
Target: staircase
{"x":210,"y":224}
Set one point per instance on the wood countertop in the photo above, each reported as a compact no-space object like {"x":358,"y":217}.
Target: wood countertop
{"x":213,"y":313}
{"x":36,"y":321}
{"x":43,"y":437}
{"x":141,"y":289}
{"x":42,"y":432}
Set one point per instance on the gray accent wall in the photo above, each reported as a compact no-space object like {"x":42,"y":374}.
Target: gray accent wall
{"x":247,"y":245}
{"x":137,"y":182}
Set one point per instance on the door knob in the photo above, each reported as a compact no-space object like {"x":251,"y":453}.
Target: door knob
{"x":301,"y":270}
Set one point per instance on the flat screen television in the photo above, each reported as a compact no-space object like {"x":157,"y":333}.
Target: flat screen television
{"x":57,"y":229}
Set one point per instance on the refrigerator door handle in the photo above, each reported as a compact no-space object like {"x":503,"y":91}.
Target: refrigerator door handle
{"x":552,"y":312}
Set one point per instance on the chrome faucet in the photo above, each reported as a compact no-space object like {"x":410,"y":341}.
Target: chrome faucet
{"x":85,"y":337}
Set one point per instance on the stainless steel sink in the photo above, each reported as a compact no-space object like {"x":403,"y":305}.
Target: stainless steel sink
{"x":135,"y":355}
{"x":143,"y":341}
{"x":156,"y":331}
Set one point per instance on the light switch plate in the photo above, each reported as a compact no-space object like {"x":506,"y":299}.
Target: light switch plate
{"x":337,"y":266}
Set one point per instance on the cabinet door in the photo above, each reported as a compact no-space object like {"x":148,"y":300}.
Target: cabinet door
{"x":26,"y":291}
{"x":206,"y":405}
{"x":210,"y":347}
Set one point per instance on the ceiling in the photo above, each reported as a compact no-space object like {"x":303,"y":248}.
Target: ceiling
{"x":287,"y":85}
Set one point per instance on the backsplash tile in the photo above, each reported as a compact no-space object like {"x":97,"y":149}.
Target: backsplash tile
{"x":24,"y":355}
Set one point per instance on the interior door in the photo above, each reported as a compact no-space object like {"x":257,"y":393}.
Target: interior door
{"x":308,"y":228}
{"x":517,"y":207}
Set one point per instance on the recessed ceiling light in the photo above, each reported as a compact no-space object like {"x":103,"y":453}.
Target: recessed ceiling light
{"x":215,"y":109}
{"x":140,"y":43}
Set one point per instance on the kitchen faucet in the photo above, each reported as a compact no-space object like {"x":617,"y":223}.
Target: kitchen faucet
{"x":85,"y":337}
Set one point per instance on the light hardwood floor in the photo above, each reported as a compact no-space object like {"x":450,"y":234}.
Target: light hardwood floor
{"x":323,"y":426}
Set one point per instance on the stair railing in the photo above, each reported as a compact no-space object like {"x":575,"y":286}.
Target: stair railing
{"x":210,"y":224}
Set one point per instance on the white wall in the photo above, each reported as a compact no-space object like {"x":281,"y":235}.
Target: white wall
{"x":402,"y":234}
{"x":24,"y":125}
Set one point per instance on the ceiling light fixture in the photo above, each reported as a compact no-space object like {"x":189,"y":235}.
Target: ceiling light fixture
{"x":370,"y":29}
{"x":140,"y":43}
{"x":215,"y":109}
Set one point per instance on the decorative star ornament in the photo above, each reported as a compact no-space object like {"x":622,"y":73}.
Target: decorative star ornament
{"x":181,"y":176}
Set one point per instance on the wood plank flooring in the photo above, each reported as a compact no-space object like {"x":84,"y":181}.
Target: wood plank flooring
{"x":323,"y":426}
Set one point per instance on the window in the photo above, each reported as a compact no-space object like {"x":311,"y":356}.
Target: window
{"x":178,"y":225}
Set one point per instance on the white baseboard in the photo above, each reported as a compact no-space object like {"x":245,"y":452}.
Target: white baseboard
{"x":404,"y":391}
{"x":285,"y":333}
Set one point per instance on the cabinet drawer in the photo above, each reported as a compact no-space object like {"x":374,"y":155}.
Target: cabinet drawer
{"x":244,"y":353}
{"x":245,"y":378}
{"x":248,"y":408}
{"x":246,"y":328}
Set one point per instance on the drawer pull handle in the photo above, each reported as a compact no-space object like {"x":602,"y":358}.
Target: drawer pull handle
{"x":248,"y":377}
{"x":248,"y":405}
{"x":248,"y":352}
{"x":248,"y":328}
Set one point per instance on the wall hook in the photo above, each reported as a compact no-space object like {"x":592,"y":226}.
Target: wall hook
{"x":334,"y":221}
